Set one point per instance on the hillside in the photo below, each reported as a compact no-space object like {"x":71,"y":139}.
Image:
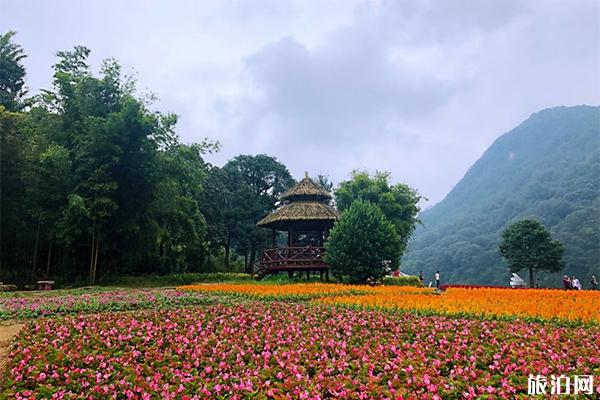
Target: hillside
{"x":549,"y":168}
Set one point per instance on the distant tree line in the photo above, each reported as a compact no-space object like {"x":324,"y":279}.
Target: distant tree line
{"x":95,"y":184}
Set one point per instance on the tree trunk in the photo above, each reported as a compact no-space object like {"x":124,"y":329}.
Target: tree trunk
{"x":48,"y":262}
{"x":96,"y":261}
{"x":227,"y":247}
{"x":92,"y":255}
{"x":61,"y":260}
{"x":252,"y":258}
{"x":531,"y":277}
{"x":35,"y":251}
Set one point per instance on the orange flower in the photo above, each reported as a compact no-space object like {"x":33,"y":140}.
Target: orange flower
{"x":525,"y":303}
{"x":299,"y":290}
{"x":542,"y":304}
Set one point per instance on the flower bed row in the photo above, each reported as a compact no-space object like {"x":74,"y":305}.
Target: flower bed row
{"x":115,"y":300}
{"x":539,"y":304}
{"x":448,"y":286}
{"x":574,"y":306}
{"x":299,"y":291}
{"x":283,"y":351}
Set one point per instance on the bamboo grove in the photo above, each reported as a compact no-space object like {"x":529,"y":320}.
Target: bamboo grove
{"x":94,"y":183}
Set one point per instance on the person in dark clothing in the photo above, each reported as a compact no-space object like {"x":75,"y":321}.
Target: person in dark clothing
{"x":421,"y":277}
{"x":594,"y":282}
{"x":567,"y":282}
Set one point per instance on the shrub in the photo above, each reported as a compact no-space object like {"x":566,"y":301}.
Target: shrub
{"x":402,"y":281}
{"x":189,"y":278}
{"x":178,"y":279}
{"x":363,"y":244}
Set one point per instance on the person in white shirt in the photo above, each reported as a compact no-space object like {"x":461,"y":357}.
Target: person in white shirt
{"x":437,"y":279}
{"x":576,"y":284}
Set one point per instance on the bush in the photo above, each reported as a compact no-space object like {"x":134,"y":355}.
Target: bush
{"x":178,"y":279}
{"x":402,"y":281}
{"x":363,"y":244}
{"x":187,"y":279}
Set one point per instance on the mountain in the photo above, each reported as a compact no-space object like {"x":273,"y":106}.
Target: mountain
{"x":548,"y":168}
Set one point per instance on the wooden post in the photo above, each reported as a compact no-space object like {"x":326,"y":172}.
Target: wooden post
{"x":307,"y":274}
{"x":327,"y":274}
{"x":321,"y":275}
{"x":290,"y":274}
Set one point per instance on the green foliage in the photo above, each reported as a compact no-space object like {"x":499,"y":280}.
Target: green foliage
{"x":402,"y":281}
{"x":96,"y":185}
{"x":362,"y":244}
{"x":189,"y":278}
{"x":526,"y":244}
{"x":283,"y":278}
{"x":399,"y":202}
{"x":251,"y":186}
{"x":546,"y":168}
{"x":12,"y":73}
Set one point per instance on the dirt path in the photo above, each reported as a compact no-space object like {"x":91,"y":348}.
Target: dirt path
{"x":7,"y":332}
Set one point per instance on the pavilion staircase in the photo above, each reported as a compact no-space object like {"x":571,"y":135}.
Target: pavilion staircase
{"x":259,"y":271}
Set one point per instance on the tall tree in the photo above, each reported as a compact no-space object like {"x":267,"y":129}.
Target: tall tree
{"x":363,"y":244}
{"x":12,"y":73}
{"x":13,"y":224}
{"x":527,"y":244}
{"x":399,"y":202}
{"x":178,"y":224}
{"x":255,"y":183}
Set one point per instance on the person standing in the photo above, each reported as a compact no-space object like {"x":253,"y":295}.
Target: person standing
{"x":594,"y":282}
{"x":575,"y":283}
{"x":437,"y":279}
{"x":566,"y":282}
{"x":421,"y":277}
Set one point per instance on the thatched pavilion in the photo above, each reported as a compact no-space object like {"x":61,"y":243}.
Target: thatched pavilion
{"x":307,"y":217}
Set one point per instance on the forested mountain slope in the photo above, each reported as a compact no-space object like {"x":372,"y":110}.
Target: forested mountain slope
{"x":549,"y":168}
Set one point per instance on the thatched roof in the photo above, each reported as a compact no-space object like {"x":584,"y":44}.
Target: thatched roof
{"x":306,"y":189}
{"x":299,"y":211}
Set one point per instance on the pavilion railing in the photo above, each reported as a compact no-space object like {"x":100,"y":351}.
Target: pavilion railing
{"x":289,"y":257}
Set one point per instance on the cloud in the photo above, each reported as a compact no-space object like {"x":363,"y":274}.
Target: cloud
{"x":418,"y":88}
{"x":328,"y":94}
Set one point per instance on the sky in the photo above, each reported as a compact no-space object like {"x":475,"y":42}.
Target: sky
{"x":416,"y":88}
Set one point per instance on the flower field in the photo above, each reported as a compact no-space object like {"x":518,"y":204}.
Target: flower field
{"x":299,"y":291}
{"x":114,"y":300}
{"x":283,"y":350}
{"x":574,"y":306}
{"x":308,"y":341}
{"x":538,"y":304}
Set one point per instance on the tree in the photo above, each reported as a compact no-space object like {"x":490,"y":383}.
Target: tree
{"x":399,"y":202}
{"x":255,"y":184}
{"x":93,"y":184}
{"x":12,"y":73}
{"x":324,"y":182}
{"x":12,"y":190}
{"x":527,"y":244}
{"x":363,"y":244}
{"x":179,"y":227}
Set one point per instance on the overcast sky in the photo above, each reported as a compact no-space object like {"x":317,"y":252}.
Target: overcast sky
{"x":417,"y":88}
